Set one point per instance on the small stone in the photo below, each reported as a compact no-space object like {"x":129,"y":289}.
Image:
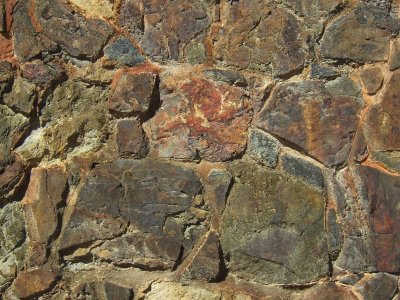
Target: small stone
{"x":343,"y":86}
{"x":377,"y":286}
{"x":394,"y":58}
{"x":22,"y":96}
{"x":131,"y":139}
{"x":31,"y":283}
{"x":372,"y":79}
{"x":113,"y":291}
{"x":124,"y":53}
{"x":40,"y":73}
{"x":320,"y":71}
{"x":228,"y":76}
{"x":264,"y":147}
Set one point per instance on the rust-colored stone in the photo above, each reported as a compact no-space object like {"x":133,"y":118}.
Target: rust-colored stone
{"x":32,"y":283}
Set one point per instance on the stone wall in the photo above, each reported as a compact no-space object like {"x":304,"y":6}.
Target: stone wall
{"x":208,"y":149}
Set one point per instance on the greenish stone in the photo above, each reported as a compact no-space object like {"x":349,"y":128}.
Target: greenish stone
{"x":196,"y":53}
{"x":263,"y":147}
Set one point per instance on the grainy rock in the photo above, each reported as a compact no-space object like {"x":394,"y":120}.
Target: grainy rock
{"x":264,"y":147}
{"x":113,"y":291}
{"x":372,"y":79}
{"x":377,"y":286}
{"x":32,"y":283}
{"x":394,"y":58}
{"x":40,"y":73}
{"x":22,"y":96}
{"x":124,"y":53}
{"x":328,"y":291}
{"x":131,"y":139}
{"x":320,"y":71}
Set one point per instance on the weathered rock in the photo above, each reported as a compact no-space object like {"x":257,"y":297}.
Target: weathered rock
{"x":264,"y":147}
{"x":131,"y":139}
{"x":372,"y":79}
{"x":335,"y":234}
{"x":319,"y":71}
{"x":172,"y":290}
{"x":2,"y":17}
{"x":113,"y":291}
{"x":199,"y":118}
{"x":328,"y":291}
{"x":228,"y":76}
{"x":11,"y":178}
{"x":343,"y":86}
{"x":262,"y":37}
{"x":377,"y":286}
{"x":77,"y":36}
{"x":255,"y":234}
{"x":306,"y":114}
{"x":124,"y":53}
{"x":32,"y":283}
{"x":40,"y":73}
{"x":379,"y":3}
{"x":133,"y":92}
{"x":389,"y":159}
{"x":95,"y":8}
{"x":394,"y":58}
{"x":361,"y":35}
{"x":6,"y":76}
{"x":22,"y":96}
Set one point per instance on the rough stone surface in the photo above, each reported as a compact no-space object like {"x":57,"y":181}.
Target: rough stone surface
{"x":22,"y":96}
{"x":131,"y":139}
{"x":124,"y":53}
{"x":31,"y":283}
{"x":114,"y":291}
{"x":377,"y":286}
{"x":394,"y":58}
{"x":372,"y":79}
{"x":263,"y":147}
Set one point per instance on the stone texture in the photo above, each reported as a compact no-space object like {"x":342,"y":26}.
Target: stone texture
{"x":42,"y":74}
{"x":228,"y":76}
{"x":394,"y":58}
{"x":264,"y":147}
{"x":113,"y":291}
{"x":389,"y":159}
{"x":11,"y":178}
{"x":131,"y":139}
{"x":124,"y":53}
{"x":32,"y":283}
{"x":261,"y":36}
{"x":361,"y":35}
{"x":377,"y":286}
{"x":255,"y":230}
{"x":309,"y":116}
{"x":6,"y":76}
{"x":212,"y":121}
{"x":320,"y":71}
{"x":372,"y":79}
{"x":22,"y":96}
{"x":328,"y":291}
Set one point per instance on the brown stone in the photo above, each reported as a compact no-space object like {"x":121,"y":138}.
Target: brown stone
{"x":32,"y":283}
{"x":394,"y":58}
{"x":326,"y":291}
{"x":40,"y":73}
{"x":377,"y":286}
{"x":131,"y":139}
{"x":113,"y":291}
{"x":10,"y":178}
{"x":372,"y":79}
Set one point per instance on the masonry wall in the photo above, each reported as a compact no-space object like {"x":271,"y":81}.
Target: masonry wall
{"x":159,"y":149}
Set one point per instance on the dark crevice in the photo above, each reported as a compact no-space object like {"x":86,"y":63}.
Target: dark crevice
{"x":155,"y":102}
{"x":179,"y":259}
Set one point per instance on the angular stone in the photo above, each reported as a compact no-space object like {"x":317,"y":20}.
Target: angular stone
{"x":11,"y":178}
{"x":389,"y":159}
{"x":6,"y":76}
{"x":228,"y":76}
{"x":306,"y":114}
{"x":40,"y":73}
{"x":264,"y":147}
{"x":361,"y":35}
{"x":320,"y":71}
{"x":2,"y":17}
{"x":22,"y":96}
{"x":113,"y":291}
{"x":382,"y":121}
{"x":394,"y":58}
{"x":377,"y":286}
{"x":42,"y":202}
{"x":328,"y":291}
{"x":254,"y":236}
{"x":386,"y":4}
{"x":77,"y":36}
{"x":31,"y":283}
{"x":343,"y":86}
{"x":124,"y":53}
{"x":199,"y":118}
{"x":372,"y":79}
{"x":133,"y":92}
{"x":131,"y":139}
{"x":261,"y":36}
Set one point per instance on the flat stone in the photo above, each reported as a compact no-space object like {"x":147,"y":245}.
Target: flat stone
{"x":124,"y":53}
{"x":264,"y":147}
{"x":362,"y":35}
{"x":133,"y":92}
{"x":131,"y":139}
{"x":394,"y":58}
{"x":31,"y":283}
{"x":113,"y":291}
{"x":262,"y":37}
{"x":174,"y":290}
{"x":306,"y":114}
{"x":22,"y":96}
{"x":377,"y":286}
{"x":211,"y":124}
{"x":320,"y":71}
{"x":40,"y":73}
{"x":254,"y":236}
{"x":372,"y":79}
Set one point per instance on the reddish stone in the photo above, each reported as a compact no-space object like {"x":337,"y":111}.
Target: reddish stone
{"x":10,"y":177}
{"x":131,"y":139}
{"x":31,"y":283}
{"x":40,"y":73}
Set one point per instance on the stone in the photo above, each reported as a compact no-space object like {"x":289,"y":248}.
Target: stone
{"x":260,"y":36}
{"x":303,"y":169}
{"x":264,"y":147}
{"x":42,"y":202}
{"x":382,"y":123}
{"x":377,"y":286}
{"x":22,"y":96}
{"x":173,"y":290}
{"x":2,"y":17}
{"x":124,"y":53}
{"x":77,"y":36}
{"x":379,"y":3}
{"x":394,"y":58}
{"x":6,"y":76}
{"x":43,"y":74}
{"x":343,"y":86}
{"x":12,"y":233}
{"x":328,"y":291}
{"x":389,"y":159}
{"x":113,"y":291}
{"x":362,"y":35}
{"x":32,"y":283}
{"x":95,"y":8}
{"x":253,"y":234}
{"x":335,"y":234}
{"x":319,"y":71}
{"x":228,"y":76}
{"x":133,"y":92}
{"x":131,"y":139}
{"x":308,"y":116}
{"x":212,"y":121}
{"x":372,"y":79}
{"x":11,"y":179}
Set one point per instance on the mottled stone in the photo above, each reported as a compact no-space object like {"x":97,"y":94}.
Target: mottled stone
{"x":389,"y":159}
{"x":264,"y":147}
{"x":133,"y":92}
{"x":335,"y":234}
{"x":40,"y":73}
{"x":22,"y":96}
{"x":96,"y":8}
{"x":6,"y":76}
{"x":124,"y":53}
{"x":131,"y":139}
{"x":77,"y":36}
{"x":382,"y":122}
{"x":379,"y":3}
{"x":306,"y":114}
{"x":320,"y":71}
{"x":228,"y":76}
{"x":199,"y":118}
{"x":361,"y":35}
{"x":328,"y":291}
{"x":11,"y":178}
{"x":372,"y":79}
{"x":31,"y":283}
{"x":255,"y":234}
{"x":114,"y":291}
{"x":394,"y":58}
{"x":377,"y":286}
{"x":343,"y":86}
{"x":262,"y":37}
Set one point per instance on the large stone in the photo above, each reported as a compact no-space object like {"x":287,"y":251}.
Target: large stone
{"x":199,"y":118}
{"x":22,"y":96}
{"x":309,"y":116}
{"x":377,"y":286}
{"x":260,"y":36}
{"x":79,"y":37}
{"x":31,"y":283}
{"x":273,"y":228}
{"x":361,"y":35}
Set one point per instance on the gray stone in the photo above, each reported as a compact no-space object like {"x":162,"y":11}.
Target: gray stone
{"x":264,"y":147}
{"x":228,"y":76}
{"x":377,"y":286}
{"x":113,"y":291}
{"x":343,"y":86}
{"x":22,"y":96}
{"x":320,"y":71}
{"x":394,"y":58}
{"x":124,"y":53}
